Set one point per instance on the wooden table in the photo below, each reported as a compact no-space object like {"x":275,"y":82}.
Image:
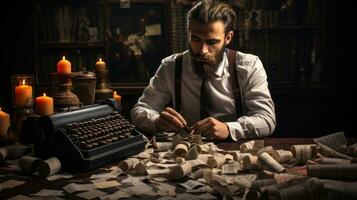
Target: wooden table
{"x":34,"y":184}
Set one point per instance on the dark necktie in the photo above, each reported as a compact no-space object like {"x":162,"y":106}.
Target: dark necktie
{"x":205,"y":98}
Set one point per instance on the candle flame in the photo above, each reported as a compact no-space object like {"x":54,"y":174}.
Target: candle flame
{"x":0,"y":108}
{"x":63,"y":57}
{"x":44,"y":94}
{"x":100,"y":60}
{"x":23,"y":82}
{"x":115,"y":93}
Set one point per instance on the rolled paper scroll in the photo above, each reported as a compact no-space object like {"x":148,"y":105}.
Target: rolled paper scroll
{"x":180,"y":171}
{"x":333,"y":171}
{"x":216,"y":161}
{"x":283,"y":177}
{"x":262,"y":182}
{"x":197,"y":164}
{"x":49,"y":167}
{"x":180,"y":150}
{"x":176,"y":140}
{"x":128,"y":164}
{"x":237,"y":155}
{"x":352,"y":150}
{"x":29,"y":163}
{"x":140,"y":168}
{"x":188,"y":145}
{"x":335,"y":141}
{"x":247,"y":145}
{"x":199,"y":173}
{"x":282,"y":156}
{"x":265,"y":161}
{"x":302,"y":153}
{"x":192,"y":153}
{"x":198,"y":147}
{"x":231,"y":168}
{"x":325,"y":160}
{"x":250,"y":162}
{"x":265,"y":149}
{"x":339,"y":189}
{"x":308,"y":190}
{"x":180,"y":160}
{"x":329,"y":152}
{"x":163,"y":146}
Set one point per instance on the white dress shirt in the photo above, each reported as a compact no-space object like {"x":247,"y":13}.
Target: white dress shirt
{"x":258,"y":120}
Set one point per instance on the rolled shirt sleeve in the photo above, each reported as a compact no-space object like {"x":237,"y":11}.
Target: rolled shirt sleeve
{"x":155,"y":96}
{"x":259,"y":119}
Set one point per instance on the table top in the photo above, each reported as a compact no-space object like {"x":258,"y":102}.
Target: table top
{"x":34,"y":184}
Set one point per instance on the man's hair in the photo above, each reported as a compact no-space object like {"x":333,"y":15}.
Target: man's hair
{"x":207,"y":11}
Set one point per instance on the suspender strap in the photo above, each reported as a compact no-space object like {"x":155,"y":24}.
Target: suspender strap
{"x":232,"y":55}
{"x":178,"y":72}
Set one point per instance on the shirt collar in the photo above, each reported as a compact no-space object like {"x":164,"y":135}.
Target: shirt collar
{"x":221,"y":66}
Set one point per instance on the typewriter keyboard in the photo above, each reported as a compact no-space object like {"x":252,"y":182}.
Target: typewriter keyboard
{"x":98,"y":132}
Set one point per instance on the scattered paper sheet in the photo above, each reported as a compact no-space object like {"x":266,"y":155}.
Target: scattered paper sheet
{"x":166,"y":190}
{"x":59,"y":176}
{"x":48,"y":193}
{"x":138,"y":189}
{"x":74,"y":187}
{"x":20,"y":197}
{"x":11,"y":183}
{"x":207,"y":196}
{"x":106,"y":184}
{"x":91,"y":194}
{"x":117,"y":195}
{"x":191,"y":184}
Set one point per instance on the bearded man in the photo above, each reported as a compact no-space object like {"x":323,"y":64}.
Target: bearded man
{"x":214,"y":91}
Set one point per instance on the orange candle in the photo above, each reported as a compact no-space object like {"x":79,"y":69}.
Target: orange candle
{"x":23,"y":95}
{"x":117,"y":97}
{"x":100,"y":65}
{"x":64,"y":66}
{"x":4,"y":123}
{"x":44,"y":105}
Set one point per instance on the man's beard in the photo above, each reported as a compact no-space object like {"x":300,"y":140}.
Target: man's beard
{"x":205,"y":65}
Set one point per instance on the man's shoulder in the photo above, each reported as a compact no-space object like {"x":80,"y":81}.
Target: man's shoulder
{"x":172,"y":58}
{"x":246,"y":59}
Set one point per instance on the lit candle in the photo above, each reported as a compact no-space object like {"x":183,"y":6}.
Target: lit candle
{"x":117,"y":97}
{"x":4,"y":123}
{"x":64,"y":66}
{"x":44,"y":105}
{"x":23,"y":95}
{"x":100,"y":65}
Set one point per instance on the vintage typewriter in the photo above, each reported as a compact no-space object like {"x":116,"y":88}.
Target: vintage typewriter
{"x":87,"y":138}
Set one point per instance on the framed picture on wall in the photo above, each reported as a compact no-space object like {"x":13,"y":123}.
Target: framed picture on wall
{"x":137,"y":40}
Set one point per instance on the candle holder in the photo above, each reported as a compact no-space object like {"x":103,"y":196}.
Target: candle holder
{"x":22,"y":99}
{"x":84,"y":84}
{"x":64,"y":97}
{"x":102,"y":91}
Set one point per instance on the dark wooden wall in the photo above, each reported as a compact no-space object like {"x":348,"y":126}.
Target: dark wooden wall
{"x":301,"y":112}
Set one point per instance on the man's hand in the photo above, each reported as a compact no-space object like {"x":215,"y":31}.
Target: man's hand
{"x":212,"y":128}
{"x":170,"y":120}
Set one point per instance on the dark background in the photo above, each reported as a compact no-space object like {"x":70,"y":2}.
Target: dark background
{"x":301,"y":112}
